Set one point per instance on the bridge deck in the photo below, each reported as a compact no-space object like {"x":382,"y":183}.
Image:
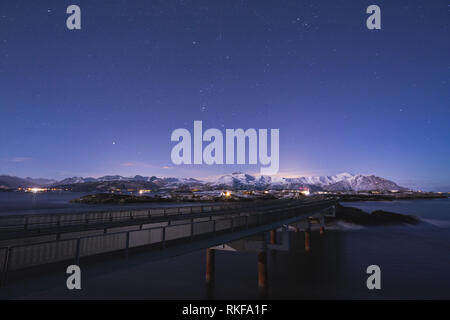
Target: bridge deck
{"x":47,"y":228}
{"x":146,"y":232}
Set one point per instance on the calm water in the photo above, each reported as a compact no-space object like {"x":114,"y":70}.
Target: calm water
{"x":414,"y":262}
{"x":57,"y":202}
{"x":23,"y":203}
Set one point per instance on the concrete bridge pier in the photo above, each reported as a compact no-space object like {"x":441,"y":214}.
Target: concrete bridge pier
{"x":262,"y":273}
{"x":210,"y":266}
{"x":273,"y":236}
{"x":210,"y":272}
{"x":322,"y":230}
{"x":322,"y":225}
{"x":308,"y":238}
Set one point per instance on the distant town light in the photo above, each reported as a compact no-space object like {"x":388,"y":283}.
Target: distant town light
{"x":304,"y":191}
{"x":142,"y":191}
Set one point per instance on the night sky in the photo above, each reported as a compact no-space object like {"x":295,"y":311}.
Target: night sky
{"x":105,"y":99}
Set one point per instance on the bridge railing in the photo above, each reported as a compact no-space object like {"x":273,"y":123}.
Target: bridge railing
{"x":30,"y":255}
{"x":41,"y":221}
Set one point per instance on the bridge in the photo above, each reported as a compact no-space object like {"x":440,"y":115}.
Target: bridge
{"x":30,"y":242}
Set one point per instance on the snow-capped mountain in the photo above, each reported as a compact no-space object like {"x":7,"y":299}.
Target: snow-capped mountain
{"x":339,"y":182}
{"x":137,"y":178}
{"x":363,"y":183}
{"x":235,"y":180}
{"x":325,"y":180}
{"x":75,"y":180}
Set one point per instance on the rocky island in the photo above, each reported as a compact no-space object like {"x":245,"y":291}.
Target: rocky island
{"x":378,"y":217}
{"x":103,"y":198}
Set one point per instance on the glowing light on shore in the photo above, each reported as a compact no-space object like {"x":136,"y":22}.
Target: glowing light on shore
{"x":36,"y":190}
{"x":304,"y":191}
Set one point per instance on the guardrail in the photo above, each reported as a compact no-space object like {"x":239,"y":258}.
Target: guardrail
{"x":38,"y":221}
{"x":18,"y":237}
{"x":24,"y":256}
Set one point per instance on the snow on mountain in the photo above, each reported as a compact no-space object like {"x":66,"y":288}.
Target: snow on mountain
{"x":235,"y":180}
{"x":238,"y":180}
{"x":114,"y":178}
{"x":323,"y":180}
{"x":173,"y":182}
{"x":364,"y":183}
{"x":339,"y":182}
{"x":137,"y":178}
{"x":75,"y":180}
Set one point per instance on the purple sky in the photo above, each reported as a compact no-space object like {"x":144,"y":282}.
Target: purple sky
{"x":105,"y":99}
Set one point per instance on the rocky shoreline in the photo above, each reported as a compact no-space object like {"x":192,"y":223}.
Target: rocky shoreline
{"x":108,"y":198}
{"x":111,"y":198}
{"x":376,"y":218}
{"x":101,"y":198}
{"x":343,"y":213}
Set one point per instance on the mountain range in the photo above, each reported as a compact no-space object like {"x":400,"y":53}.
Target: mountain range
{"x":339,"y":182}
{"x":237,"y":181}
{"x":16,"y":182}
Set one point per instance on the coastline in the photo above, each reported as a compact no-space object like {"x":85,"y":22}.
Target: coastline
{"x":242,"y":195}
